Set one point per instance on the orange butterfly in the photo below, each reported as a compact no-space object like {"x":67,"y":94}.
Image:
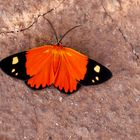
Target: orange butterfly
{"x":56,"y":65}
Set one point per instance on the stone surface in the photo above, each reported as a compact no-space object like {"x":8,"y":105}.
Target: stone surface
{"x":110,"y":34}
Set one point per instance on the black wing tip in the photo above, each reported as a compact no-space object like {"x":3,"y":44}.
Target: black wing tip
{"x":104,"y":75}
{"x":1,"y":64}
{"x":92,"y":77}
{"x":19,"y":70}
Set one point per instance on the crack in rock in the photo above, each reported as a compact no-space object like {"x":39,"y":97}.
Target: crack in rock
{"x":126,"y":40}
{"x":26,"y":28}
{"x":121,"y":32}
{"x":34,"y":22}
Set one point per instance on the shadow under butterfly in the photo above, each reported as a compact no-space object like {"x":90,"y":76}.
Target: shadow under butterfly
{"x":56,"y":65}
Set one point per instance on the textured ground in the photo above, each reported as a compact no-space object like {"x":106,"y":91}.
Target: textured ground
{"x":110,"y":34}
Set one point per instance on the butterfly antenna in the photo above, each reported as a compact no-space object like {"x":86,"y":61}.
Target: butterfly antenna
{"x":52,"y":29}
{"x":67,"y":33}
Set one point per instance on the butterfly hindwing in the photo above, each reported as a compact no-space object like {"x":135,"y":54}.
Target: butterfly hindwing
{"x":70,"y":92}
{"x":14,"y":66}
{"x":34,"y":87}
{"x":95,"y":74}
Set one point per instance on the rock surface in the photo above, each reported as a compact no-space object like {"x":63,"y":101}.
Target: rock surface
{"x":110,"y":34}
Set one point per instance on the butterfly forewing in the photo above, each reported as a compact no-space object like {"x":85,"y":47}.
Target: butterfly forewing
{"x":14,"y":66}
{"x":72,"y":69}
{"x":95,"y":74}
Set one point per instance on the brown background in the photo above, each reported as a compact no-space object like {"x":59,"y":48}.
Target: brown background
{"x":110,"y":34}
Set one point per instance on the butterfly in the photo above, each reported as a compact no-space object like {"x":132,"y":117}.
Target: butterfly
{"x":57,"y":65}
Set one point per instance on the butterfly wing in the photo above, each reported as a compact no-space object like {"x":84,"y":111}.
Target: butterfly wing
{"x":39,"y":67}
{"x":95,"y":74}
{"x":14,"y":66}
{"x":33,"y":66}
{"x":76,"y":70}
{"x":72,"y":68}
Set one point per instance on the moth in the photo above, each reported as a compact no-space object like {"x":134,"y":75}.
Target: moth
{"x":57,"y":65}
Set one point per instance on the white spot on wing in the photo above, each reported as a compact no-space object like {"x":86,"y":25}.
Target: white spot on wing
{"x":97,"y":68}
{"x":97,"y":78}
{"x":16,"y":74}
{"x":15,"y":60}
{"x":13,"y":70}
